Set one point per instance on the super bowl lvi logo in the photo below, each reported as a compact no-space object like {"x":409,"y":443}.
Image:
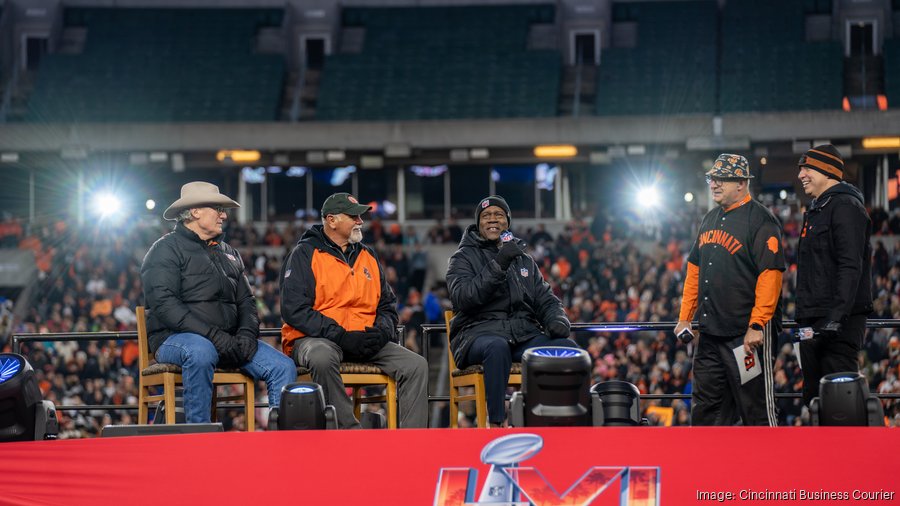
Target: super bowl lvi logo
{"x":511,"y":484}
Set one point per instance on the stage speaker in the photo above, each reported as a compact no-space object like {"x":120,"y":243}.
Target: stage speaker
{"x":24,"y":415}
{"x":844,"y":401}
{"x":160,"y":430}
{"x":618,"y":403}
{"x":302,"y":408}
{"x":555,"y":388}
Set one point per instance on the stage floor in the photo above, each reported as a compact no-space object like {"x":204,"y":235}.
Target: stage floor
{"x":557,"y":466}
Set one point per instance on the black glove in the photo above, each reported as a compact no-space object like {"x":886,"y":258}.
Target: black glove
{"x":829,"y":328}
{"x":247,"y":346}
{"x":383,"y":336}
{"x":227,"y":347}
{"x":360,"y":345}
{"x":508,"y":252}
{"x":558,"y":329}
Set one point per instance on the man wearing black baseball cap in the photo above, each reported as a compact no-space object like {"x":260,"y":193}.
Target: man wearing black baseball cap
{"x":337,"y":306}
{"x":834,"y":290}
{"x":502,"y":304}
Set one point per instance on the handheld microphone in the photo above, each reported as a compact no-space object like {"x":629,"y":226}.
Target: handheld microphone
{"x":506,"y":236}
{"x":686,"y":336}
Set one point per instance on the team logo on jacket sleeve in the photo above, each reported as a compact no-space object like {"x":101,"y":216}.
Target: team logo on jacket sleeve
{"x":772,"y":243}
{"x":524,"y":272}
{"x":367,"y":273}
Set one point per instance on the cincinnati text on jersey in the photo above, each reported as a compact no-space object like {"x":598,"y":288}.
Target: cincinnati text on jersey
{"x":722,"y":238}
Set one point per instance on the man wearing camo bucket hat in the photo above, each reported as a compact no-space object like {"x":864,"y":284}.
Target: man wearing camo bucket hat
{"x":733,"y":288}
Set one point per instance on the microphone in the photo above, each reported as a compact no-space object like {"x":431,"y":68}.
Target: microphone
{"x":506,"y":236}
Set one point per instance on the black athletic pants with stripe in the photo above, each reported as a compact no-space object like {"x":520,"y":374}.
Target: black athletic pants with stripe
{"x":718,"y":398}
{"x":829,"y":354}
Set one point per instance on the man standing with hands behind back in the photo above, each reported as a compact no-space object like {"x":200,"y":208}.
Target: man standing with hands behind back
{"x":834,"y":280}
{"x":733,"y":286}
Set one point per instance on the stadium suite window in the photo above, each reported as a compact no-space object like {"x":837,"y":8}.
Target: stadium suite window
{"x":380,"y":186}
{"x":424,"y":193}
{"x":329,"y":181}
{"x":288,"y":196}
{"x":468,"y":185}
{"x":516,"y":185}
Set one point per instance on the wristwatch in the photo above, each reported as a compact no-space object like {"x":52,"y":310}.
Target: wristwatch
{"x":756,"y":326}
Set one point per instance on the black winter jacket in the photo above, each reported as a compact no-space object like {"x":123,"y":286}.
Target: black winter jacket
{"x":834,"y":257}
{"x":191,"y":285}
{"x":516,"y":303}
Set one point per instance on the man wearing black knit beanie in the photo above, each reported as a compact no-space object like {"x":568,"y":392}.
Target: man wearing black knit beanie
{"x":501,"y":303}
{"x":834,"y":291}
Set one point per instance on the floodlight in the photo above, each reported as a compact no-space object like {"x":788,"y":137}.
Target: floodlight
{"x":555,"y":383}
{"x":648,"y":197}
{"x":688,"y":197}
{"x":24,"y":415}
{"x":303,"y":408}
{"x":619,"y":402}
{"x":106,"y":204}
{"x":844,"y":401}
{"x":151,"y":204}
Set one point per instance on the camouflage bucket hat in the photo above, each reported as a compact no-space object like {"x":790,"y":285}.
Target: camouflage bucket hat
{"x":728,"y":166}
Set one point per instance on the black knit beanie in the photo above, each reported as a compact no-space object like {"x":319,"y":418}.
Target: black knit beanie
{"x":493,"y":200}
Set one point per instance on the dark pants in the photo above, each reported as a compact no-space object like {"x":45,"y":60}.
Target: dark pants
{"x":496,"y":355}
{"x":718,"y":398}
{"x":824,"y":355}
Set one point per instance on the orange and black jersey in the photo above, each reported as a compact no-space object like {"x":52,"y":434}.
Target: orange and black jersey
{"x":734,"y":270}
{"x":325,"y":291}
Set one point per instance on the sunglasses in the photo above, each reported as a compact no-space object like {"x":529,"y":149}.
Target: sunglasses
{"x":218,"y":209}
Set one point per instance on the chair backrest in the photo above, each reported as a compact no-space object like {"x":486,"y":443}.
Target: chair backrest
{"x":143,"y":344}
{"x":448,"y":315}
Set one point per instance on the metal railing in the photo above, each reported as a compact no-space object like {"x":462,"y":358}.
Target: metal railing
{"x":427,"y":331}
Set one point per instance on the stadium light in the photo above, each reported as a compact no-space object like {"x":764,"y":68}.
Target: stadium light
{"x":648,"y":197}
{"x":238,"y":155}
{"x":106,"y":204}
{"x":151,"y":204}
{"x":555,"y":151}
{"x":881,"y":142}
{"x":688,"y":197}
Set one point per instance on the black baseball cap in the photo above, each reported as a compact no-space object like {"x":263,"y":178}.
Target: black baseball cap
{"x":343,"y":203}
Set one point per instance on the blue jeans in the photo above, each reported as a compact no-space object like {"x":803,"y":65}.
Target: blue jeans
{"x":496,"y":355}
{"x":197,"y":358}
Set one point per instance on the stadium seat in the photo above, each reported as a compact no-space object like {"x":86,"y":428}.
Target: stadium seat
{"x":358,"y":376}
{"x":471,"y":377}
{"x":169,"y":376}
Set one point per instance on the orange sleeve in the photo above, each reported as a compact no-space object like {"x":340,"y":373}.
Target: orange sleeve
{"x":689,"y":294}
{"x":768,"y":288}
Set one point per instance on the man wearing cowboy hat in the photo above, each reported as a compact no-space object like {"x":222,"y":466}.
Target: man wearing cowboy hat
{"x":733,"y":288}
{"x":201,"y":313}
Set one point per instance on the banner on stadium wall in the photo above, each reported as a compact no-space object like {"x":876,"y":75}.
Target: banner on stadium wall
{"x":645,"y":466}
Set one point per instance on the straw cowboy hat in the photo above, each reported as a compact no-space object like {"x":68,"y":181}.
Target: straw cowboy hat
{"x":198,"y":194}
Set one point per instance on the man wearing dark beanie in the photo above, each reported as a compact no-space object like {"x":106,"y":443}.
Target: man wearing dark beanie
{"x":501,"y":303}
{"x":834,"y":291}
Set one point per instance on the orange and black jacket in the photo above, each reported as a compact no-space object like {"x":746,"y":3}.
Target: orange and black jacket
{"x":326,"y":291}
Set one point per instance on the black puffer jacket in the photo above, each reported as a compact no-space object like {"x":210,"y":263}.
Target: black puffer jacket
{"x":191,"y":285}
{"x":834,"y":273}
{"x":516,"y":303}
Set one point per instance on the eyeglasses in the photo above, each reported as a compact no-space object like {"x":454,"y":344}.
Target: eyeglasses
{"x":218,"y":209}
{"x":721,"y":180}
{"x":496,"y":215}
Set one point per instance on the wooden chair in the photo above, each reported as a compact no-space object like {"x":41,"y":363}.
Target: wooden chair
{"x":472,"y":376}
{"x":169,"y":376}
{"x":360,"y":375}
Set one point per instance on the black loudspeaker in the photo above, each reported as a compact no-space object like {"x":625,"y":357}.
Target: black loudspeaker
{"x":24,"y":415}
{"x":302,"y":408}
{"x":844,"y":401}
{"x":619,"y":402}
{"x":555,"y":388}
{"x":160,"y":430}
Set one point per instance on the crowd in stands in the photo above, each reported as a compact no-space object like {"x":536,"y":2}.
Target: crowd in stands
{"x":617,"y":268}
